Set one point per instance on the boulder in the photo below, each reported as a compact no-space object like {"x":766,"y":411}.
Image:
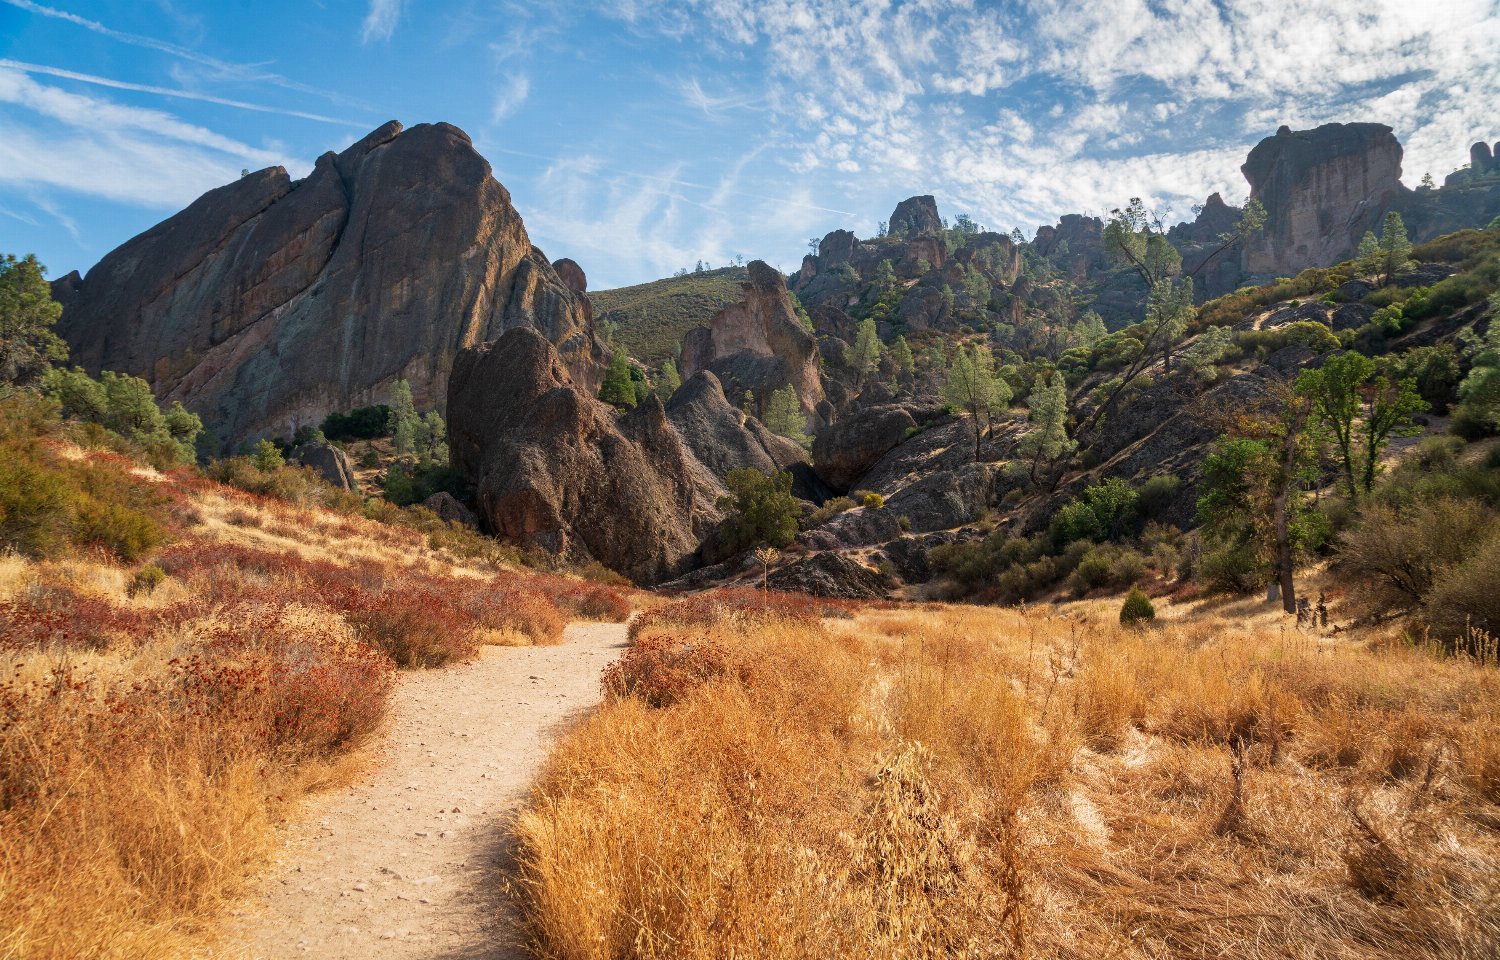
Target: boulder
{"x":448,"y":507}
{"x":556,"y":468}
{"x":268,"y":303}
{"x":721,"y":436}
{"x":944,"y":499}
{"x":829,"y":574}
{"x":860,"y":527}
{"x":758,"y":344}
{"x":331,"y":463}
{"x":908,"y":557}
{"x":1322,"y":189}
{"x":915,"y":217}
{"x":848,"y":447}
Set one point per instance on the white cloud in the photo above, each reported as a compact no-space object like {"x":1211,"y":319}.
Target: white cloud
{"x":96,"y":147}
{"x":380,"y":22}
{"x":517,"y":88}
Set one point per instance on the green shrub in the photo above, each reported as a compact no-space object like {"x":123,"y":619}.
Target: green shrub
{"x":147,"y":579}
{"x":1137,"y":610}
{"x":1108,"y":566}
{"x":1158,"y":493}
{"x":1464,"y":600}
{"x":1231,"y":568}
{"x":760,"y":509}
{"x":1395,"y":558}
{"x":265,"y":455}
{"x":872,"y":501}
{"x":826,"y":512}
{"x":365,"y":423}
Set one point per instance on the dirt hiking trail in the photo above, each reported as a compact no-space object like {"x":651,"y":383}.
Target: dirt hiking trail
{"x":406,"y":863}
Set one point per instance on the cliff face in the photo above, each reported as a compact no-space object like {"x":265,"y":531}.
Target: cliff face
{"x":1322,"y":189}
{"x":758,"y":344}
{"x":269,"y":302}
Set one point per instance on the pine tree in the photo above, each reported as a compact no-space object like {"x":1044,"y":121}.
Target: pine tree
{"x":864,"y":354}
{"x":617,"y":390}
{"x":901,"y":356}
{"x":1395,"y":246}
{"x":784,"y":416}
{"x":1047,"y":439}
{"x":669,"y":381}
{"x":403,"y":422}
{"x":1367,"y":257}
{"x":885,"y":276}
{"x":1090,"y":328}
{"x":27,"y":315}
{"x":973,"y":387}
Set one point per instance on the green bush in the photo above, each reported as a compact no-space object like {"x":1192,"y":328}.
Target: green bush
{"x":827,"y":512}
{"x":1157,"y":494}
{"x":147,"y":579}
{"x":1464,"y":599}
{"x":365,"y":423}
{"x":760,"y":509}
{"x":1108,"y":566}
{"x":1137,"y":609}
{"x":265,"y":455}
{"x":1231,"y":569}
{"x":872,"y":501}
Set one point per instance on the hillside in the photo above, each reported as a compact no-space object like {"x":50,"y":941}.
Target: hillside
{"x":650,"y":319}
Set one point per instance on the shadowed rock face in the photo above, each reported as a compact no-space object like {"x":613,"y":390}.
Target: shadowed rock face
{"x":757,"y":344}
{"x":1322,"y":189}
{"x":916,"y":217}
{"x":723,"y":438}
{"x":555,"y":468}
{"x":267,"y":303}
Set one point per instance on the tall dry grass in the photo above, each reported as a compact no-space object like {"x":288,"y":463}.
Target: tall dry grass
{"x":979,"y":782}
{"x":157,"y":718}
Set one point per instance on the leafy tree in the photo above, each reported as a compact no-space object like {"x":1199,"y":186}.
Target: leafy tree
{"x":901,"y":356}
{"x":403,"y":424}
{"x":432,"y":438}
{"x":1250,"y":496}
{"x":1047,"y":439}
{"x":1395,"y":246}
{"x":669,"y":381}
{"x":28,"y":345}
{"x":1358,"y":410}
{"x":885,"y":276}
{"x":784,"y":416}
{"x":863,"y":355}
{"x":617,"y":389}
{"x":760,"y":509}
{"x":1435,"y":369}
{"x":1333,"y":391}
{"x":974,"y":387}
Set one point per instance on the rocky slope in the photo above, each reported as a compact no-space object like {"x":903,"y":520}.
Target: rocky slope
{"x":268,"y":302}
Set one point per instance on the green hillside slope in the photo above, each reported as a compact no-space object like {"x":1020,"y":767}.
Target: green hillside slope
{"x":651,"y":318}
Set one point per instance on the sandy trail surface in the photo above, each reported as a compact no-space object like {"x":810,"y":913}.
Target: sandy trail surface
{"x":407,"y":862}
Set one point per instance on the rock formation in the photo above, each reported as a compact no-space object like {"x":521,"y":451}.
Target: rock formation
{"x":915,"y":217}
{"x":268,"y":303}
{"x":853,"y":444}
{"x":722,"y":437}
{"x":1322,"y":189}
{"x":758,"y":345}
{"x":331,"y":463}
{"x":555,"y":468}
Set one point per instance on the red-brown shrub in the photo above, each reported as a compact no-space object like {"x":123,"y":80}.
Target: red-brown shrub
{"x":416,"y":627}
{"x":662,"y":670}
{"x":517,"y":608}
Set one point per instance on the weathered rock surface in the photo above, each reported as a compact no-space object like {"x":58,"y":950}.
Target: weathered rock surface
{"x":721,"y":436}
{"x":1322,"y":189}
{"x":331,"y":463}
{"x":448,"y":507}
{"x":556,"y":468}
{"x":860,"y":527}
{"x":829,"y":574}
{"x":916,"y":217}
{"x":758,"y":345}
{"x":845,"y":449}
{"x":268,"y":303}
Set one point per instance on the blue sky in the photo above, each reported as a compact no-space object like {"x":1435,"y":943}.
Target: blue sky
{"x":640,"y":136}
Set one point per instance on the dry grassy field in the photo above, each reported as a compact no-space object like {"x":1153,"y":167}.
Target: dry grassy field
{"x":158,"y":716}
{"x":795,"y":780}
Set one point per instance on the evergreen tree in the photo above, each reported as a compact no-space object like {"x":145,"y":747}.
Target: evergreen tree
{"x":901,"y":356}
{"x":802,"y":315}
{"x":1207,"y":349}
{"x":669,"y":381}
{"x":1395,"y":246}
{"x":974,"y":388}
{"x":1367,"y":257}
{"x":1047,"y":439}
{"x":1090,"y":329}
{"x":403,"y":423}
{"x":784,"y":416}
{"x":28,"y":313}
{"x":759,"y":509}
{"x":432,"y":439}
{"x":885,"y":277}
{"x":863,"y":355}
{"x":617,"y":389}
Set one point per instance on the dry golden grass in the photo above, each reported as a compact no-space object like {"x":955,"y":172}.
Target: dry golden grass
{"x":150,"y":738}
{"x":946,"y":781}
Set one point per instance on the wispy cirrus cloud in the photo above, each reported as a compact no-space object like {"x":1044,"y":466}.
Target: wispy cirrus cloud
{"x":380,"y":22}
{"x":511,"y":96}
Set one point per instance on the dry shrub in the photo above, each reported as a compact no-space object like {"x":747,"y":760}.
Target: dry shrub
{"x":416,"y":628}
{"x":659,"y":671}
{"x":741,"y":606}
{"x":514,"y":609}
